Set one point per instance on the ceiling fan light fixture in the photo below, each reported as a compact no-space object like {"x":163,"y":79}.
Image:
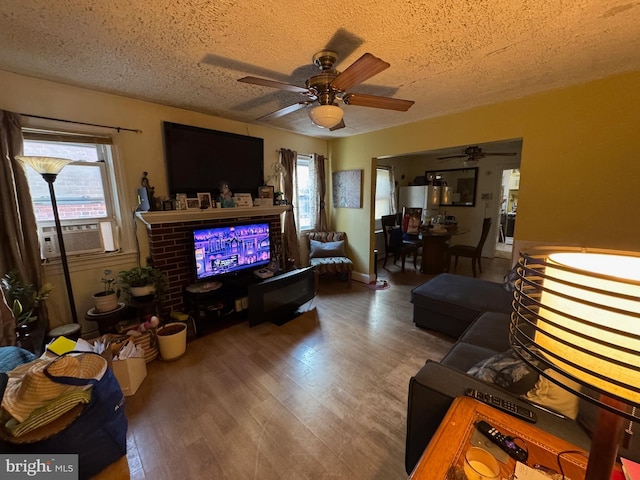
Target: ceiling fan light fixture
{"x":471,"y":163}
{"x":326,"y":116}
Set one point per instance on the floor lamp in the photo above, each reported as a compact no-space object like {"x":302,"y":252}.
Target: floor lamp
{"x":578,"y":311}
{"x":49,"y":168}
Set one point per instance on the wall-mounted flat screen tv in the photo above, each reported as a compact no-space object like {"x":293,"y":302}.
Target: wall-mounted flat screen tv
{"x":229,"y":249}
{"x":198,"y":159}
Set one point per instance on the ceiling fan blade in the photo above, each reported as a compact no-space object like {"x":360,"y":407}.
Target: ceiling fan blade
{"x":272,"y":83}
{"x":363,"y":100}
{"x":452,"y":156}
{"x":338,"y":126}
{"x":359,"y":71}
{"x":283,"y":111}
{"x":508,"y":154}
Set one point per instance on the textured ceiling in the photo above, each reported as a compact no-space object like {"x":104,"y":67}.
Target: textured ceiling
{"x":446,"y":55}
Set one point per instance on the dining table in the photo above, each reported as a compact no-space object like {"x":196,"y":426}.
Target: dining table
{"x":434,"y":246}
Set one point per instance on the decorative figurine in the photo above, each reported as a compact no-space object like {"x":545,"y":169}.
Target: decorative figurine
{"x":226,"y":196}
{"x":153,"y":204}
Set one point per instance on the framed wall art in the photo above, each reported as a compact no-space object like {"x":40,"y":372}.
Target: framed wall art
{"x":347,"y":189}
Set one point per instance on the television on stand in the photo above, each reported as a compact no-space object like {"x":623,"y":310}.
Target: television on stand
{"x":229,"y":250}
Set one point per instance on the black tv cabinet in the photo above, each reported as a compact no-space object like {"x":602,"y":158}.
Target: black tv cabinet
{"x":275,"y":299}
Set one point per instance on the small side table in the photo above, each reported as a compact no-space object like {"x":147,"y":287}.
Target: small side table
{"x":451,"y":440}
{"x":70,"y":330}
{"x":107,"y":321}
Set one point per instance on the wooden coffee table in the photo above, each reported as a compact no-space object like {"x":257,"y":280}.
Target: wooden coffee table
{"x":451,"y":440}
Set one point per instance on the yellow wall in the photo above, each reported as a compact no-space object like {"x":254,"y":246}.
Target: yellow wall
{"x":579,"y":159}
{"x":580,"y":167}
{"x":135,"y":153}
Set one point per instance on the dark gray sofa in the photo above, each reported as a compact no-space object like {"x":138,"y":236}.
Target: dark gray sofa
{"x":437,"y":384}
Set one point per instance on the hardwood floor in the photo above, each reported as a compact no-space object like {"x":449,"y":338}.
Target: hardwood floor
{"x":321,"y":397}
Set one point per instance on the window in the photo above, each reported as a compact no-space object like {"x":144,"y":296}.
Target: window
{"x":305,"y":193}
{"x":83,"y":191}
{"x":383,"y":192}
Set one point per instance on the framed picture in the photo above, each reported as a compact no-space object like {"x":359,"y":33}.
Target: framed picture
{"x":347,"y":189}
{"x":265,"y":191}
{"x":193,"y":204}
{"x":243,"y":200}
{"x":205,"y":200}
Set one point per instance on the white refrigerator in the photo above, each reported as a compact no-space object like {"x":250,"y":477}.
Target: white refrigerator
{"x":426,"y":197}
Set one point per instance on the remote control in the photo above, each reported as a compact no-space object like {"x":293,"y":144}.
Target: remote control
{"x":505,"y":443}
{"x":505,"y":405}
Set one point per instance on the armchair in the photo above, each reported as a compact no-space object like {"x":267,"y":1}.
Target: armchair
{"x":327,"y":253}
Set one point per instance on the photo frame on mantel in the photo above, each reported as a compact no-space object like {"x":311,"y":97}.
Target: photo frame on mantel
{"x":347,"y":189}
{"x":193,"y":203}
{"x":266,"y":191}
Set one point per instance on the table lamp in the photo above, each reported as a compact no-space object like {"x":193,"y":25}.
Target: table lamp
{"x":49,"y":168}
{"x":578,"y":312}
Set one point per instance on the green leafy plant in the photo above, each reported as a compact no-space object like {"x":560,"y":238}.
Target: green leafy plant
{"x":108,"y":282}
{"x":24,"y":298}
{"x":142,"y":277}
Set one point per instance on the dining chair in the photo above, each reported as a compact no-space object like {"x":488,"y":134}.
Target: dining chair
{"x":394,"y":244}
{"x":472,"y":251}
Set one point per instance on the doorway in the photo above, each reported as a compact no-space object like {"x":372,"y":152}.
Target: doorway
{"x":507,"y":213}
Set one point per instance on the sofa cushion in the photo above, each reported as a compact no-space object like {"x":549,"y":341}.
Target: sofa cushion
{"x":552,"y":395}
{"x":490,"y":330}
{"x":463,"y":356}
{"x":508,"y":370}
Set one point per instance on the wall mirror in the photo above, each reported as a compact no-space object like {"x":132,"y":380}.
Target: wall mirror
{"x":458,"y":185}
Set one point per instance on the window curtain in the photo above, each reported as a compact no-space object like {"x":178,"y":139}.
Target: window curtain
{"x":19,"y":248}
{"x":321,"y":190}
{"x":392,"y":189}
{"x":288,"y":159}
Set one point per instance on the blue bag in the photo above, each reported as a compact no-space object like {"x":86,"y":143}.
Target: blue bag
{"x":98,"y":435}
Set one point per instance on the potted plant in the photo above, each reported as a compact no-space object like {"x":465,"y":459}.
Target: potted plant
{"x":107,"y":299}
{"x":24,"y":298}
{"x":144,"y":281}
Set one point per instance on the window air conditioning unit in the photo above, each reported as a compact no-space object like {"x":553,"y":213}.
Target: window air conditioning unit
{"x":80,"y":238}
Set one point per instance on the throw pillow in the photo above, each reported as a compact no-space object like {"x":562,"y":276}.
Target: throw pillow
{"x":326,"y":249}
{"x":507,"y":370}
{"x":548,"y":394}
{"x":509,"y":280}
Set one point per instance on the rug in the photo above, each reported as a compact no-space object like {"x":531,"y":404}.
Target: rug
{"x":379,"y":285}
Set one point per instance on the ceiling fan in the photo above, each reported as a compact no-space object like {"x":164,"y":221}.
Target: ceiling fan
{"x":473,"y":154}
{"x":330,"y":86}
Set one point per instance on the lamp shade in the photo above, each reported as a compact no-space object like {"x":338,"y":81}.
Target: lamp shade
{"x":579,"y":312}
{"x":44,"y":165}
{"x":326,"y":116}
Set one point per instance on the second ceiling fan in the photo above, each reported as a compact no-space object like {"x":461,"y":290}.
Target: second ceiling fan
{"x":330,"y":86}
{"x":475,"y":153}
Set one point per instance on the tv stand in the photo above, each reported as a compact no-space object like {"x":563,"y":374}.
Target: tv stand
{"x":274,"y":299}
{"x":277,"y":299}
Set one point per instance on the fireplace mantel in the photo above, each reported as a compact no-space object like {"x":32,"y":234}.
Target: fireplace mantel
{"x":170,"y":235}
{"x":181,"y":216}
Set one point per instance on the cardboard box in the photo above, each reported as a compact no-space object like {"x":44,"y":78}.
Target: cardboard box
{"x":130,"y":373}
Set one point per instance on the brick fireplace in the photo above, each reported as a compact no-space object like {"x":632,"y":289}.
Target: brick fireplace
{"x":170,"y":242}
